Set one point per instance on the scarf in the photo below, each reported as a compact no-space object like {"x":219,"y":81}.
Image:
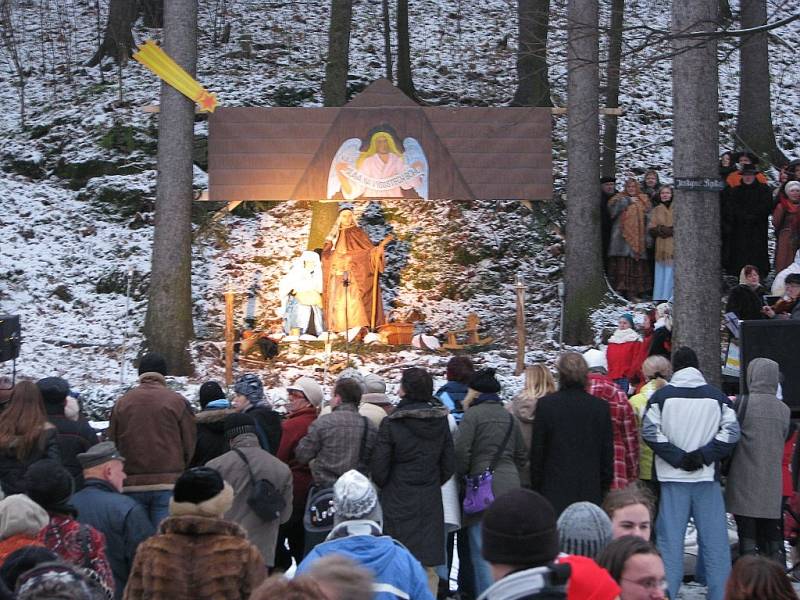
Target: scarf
{"x":662,"y":215}
{"x":633,"y":224}
{"x":789,"y":206}
{"x":623,"y":336}
{"x":486,"y":398}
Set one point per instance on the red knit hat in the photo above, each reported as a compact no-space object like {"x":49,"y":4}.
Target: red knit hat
{"x":588,"y":580}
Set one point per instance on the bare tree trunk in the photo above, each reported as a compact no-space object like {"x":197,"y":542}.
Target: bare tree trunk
{"x":754,"y":122}
{"x":695,"y":154}
{"x":334,"y":89}
{"x":168,"y":324}
{"x":533,"y":83}
{"x":152,"y":13}
{"x":583,"y":277}
{"x":118,"y":39}
{"x":405,"y":80}
{"x":387,"y":38}
{"x":609,"y":159}
{"x":10,"y":35}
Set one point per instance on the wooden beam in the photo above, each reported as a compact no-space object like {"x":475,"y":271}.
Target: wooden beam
{"x":609,"y":112}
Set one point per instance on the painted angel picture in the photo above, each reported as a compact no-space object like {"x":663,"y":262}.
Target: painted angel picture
{"x":379,"y":167}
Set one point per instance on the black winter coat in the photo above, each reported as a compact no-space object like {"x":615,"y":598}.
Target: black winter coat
{"x":412,"y":459}
{"x":211,"y":441}
{"x":12,"y":470}
{"x":268,"y":423}
{"x":121,"y":519}
{"x":572,"y":448}
{"x":745,"y":222}
{"x":74,"y":437}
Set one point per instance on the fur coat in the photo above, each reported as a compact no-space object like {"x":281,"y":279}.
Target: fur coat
{"x":196,"y":558}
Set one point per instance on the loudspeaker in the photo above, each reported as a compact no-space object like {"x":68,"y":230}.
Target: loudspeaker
{"x":10,"y":337}
{"x":776,"y":339}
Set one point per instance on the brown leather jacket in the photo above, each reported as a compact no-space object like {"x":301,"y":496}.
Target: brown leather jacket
{"x":154,"y":429}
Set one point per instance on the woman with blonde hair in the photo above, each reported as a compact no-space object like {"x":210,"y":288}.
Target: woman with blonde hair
{"x":656,"y":371}
{"x":538,"y":382}
{"x":25,"y":436}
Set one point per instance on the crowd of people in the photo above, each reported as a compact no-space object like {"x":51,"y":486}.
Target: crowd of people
{"x":571,"y":490}
{"x":637,"y":229}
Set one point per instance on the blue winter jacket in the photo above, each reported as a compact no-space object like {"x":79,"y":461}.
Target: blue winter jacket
{"x":397,"y":573}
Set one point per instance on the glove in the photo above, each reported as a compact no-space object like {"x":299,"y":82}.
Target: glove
{"x":692,"y":461}
{"x":666,"y":231}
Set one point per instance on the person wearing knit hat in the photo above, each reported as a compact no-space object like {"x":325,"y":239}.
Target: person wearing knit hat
{"x":54,"y":581}
{"x":358,"y":535}
{"x":596,"y":359}
{"x":211,"y":396}
{"x":305,"y":397}
{"x":50,"y":485}
{"x":583,"y":529}
{"x":74,"y":436}
{"x":196,"y":540}
{"x":520,"y":542}
{"x":249,"y":398}
{"x":375,"y":404}
{"x":210,"y":422}
{"x":486,"y":430}
{"x":21,"y":519}
{"x":245,"y":463}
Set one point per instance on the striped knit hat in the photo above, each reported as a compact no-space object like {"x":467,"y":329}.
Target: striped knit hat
{"x":583,"y":529}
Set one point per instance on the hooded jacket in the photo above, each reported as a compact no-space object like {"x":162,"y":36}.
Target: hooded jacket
{"x":397,"y":573}
{"x":211,"y":441}
{"x":412,"y":459}
{"x":755,"y":481}
{"x":686,"y":415}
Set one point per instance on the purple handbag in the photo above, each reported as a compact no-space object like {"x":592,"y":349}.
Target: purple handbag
{"x":478,"y":494}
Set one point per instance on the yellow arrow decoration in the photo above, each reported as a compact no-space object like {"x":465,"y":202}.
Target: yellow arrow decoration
{"x":159,"y":62}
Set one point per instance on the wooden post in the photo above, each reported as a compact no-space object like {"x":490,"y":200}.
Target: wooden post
{"x":228,"y":337}
{"x":519,"y":286}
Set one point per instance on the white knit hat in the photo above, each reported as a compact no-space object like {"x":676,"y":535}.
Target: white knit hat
{"x":354,"y":496}
{"x":596,"y":359}
{"x":309,"y":388}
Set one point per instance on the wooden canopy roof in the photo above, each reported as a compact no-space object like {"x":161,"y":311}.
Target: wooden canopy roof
{"x":472,"y":152}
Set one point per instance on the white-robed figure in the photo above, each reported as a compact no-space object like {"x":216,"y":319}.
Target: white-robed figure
{"x":301,"y":295}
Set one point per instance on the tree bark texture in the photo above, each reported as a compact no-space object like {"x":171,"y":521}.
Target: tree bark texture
{"x":334,"y":89}
{"x":696,"y":153}
{"x":754,"y":122}
{"x":405,"y":79}
{"x":168,"y":324}
{"x":387,"y":39}
{"x":609,"y":157}
{"x":583,"y":278}
{"x":533,"y":83}
{"x":117,"y":41}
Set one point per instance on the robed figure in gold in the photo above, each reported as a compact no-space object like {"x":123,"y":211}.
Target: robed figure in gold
{"x":349,"y":255}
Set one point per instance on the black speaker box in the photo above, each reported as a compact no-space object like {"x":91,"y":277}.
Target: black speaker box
{"x":779,"y":340}
{"x":10,"y":337}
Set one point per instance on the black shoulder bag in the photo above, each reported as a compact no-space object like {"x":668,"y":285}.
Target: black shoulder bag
{"x":318,"y":515}
{"x":264,"y":498}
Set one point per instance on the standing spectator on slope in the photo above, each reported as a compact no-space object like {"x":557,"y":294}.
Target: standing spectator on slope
{"x":651,"y":186}
{"x":250,"y":399}
{"x":25,"y":436}
{"x":243,"y":464}
{"x":572,"y":454}
{"x":623,"y":352}
{"x":628,"y":267}
{"x":154,"y":429}
{"x":661,"y":342}
{"x":754,"y":491}
{"x":73,"y":437}
{"x":197,"y":555}
{"x":459,"y":373}
{"x":305,"y":397}
{"x":488,"y":439}
{"x":538,"y":383}
{"x":102,"y":505}
{"x":623,"y":419}
{"x":786,"y":221}
{"x":744,"y":161}
{"x":656,"y":371}
{"x":214,"y":407}
{"x":661,"y":229}
{"x":745,"y":222}
{"x":691,"y":426}
{"x":358,"y":535}
{"x":413,"y":458}
{"x":50,"y":485}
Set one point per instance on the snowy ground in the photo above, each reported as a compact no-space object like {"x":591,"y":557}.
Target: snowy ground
{"x":76,"y":195}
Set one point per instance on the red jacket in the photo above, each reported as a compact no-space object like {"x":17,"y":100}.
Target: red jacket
{"x":295,"y":427}
{"x":622,"y":360}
